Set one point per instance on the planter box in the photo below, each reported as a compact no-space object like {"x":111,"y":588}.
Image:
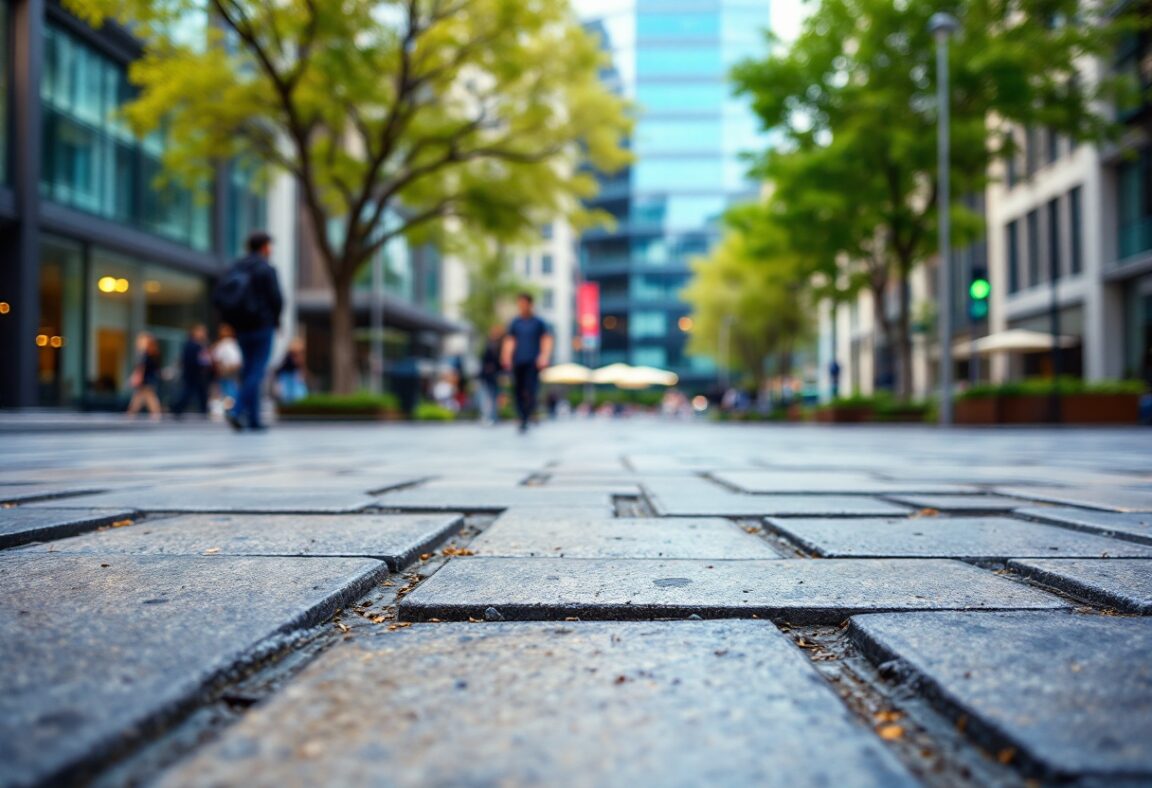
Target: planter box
{"x":1100,"y":409}
{"x":289,"y":413}
{"x":978,"y":410}
{"x":1024,"y":409}
{"x":838,"y":414}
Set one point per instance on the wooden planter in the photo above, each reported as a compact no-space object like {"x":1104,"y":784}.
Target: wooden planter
{"x":845,"y":414}
{"x":978,"y":410}
{"x":1024,"y":409}
{"x":1100,"y":408}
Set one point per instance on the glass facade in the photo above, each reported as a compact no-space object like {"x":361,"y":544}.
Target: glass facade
{"x":672,"y":60}
{"x":1134,"y":179}
{"x":93,"y":162}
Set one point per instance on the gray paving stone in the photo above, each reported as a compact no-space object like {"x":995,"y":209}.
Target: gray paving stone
{"x":23,"y":493}
{"x":992,"y":539}
{"x":700,"y":499}
{"x":559,"y":535}
{"x":959,"y":503}
{"x":219,"y":498}
{"x":1134,"y":526}
{"x":796,"y":591}
{"x":673,"y":704}
{"x":99,"y":650}
{"x":23,"y":524}
{"x":486,"y":498}
{"x":1071,"y":694}
{"x":820,"y":482}
{"x":1110,"y":499}
{"x":1121,"y":583}
{"x":397,"y":539}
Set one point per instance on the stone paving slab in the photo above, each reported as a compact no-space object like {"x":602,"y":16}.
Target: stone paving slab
{"x":1109,"y":499}
{"x":1134,"y":526}
{"x":992,"y":539}
{"x":821,"y":482}
{"x":23,"y":524}
{"x":396,"y":539}
{"x":560,"y":535}
{"x":629,"y":704}
{"x":700,"y":499}
{"x":484,"y":498}
{"x":24,"y":493}
{"x":1121,"y":583}
{"x":808,"y":592}
{"x":99,"y":650}
{"x":211,"y":498}
{"x":959,"y":503}
{"x":1070,"y":695}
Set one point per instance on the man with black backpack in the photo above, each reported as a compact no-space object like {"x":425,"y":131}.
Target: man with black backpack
{"x":249,"y":300}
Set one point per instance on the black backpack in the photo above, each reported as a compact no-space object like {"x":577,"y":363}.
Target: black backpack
{"x":236,"y":298}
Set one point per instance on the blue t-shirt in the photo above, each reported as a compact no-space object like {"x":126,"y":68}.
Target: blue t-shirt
{"x":528,"y":332}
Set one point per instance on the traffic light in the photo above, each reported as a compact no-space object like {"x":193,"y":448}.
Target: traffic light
{"x":979,"y":288}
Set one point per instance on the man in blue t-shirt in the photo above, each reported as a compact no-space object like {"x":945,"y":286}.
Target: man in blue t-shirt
{"x":527,"y":350}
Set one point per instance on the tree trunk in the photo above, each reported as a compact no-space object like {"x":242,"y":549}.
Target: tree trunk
{"x":344,"y":373}
{"x":904,"y":339}
{"x":881,"y":335}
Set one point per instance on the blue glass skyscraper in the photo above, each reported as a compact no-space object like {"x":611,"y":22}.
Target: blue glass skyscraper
{"x":672,"y":58}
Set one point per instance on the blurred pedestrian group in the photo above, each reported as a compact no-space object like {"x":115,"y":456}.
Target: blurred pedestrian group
{"x":226,"y":379}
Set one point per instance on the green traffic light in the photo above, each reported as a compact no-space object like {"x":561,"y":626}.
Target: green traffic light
{"x":979,"y":289}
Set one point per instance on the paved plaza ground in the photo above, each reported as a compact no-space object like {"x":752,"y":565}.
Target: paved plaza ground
{"x":631,"y":602}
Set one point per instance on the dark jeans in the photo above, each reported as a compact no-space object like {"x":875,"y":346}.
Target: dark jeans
{"x":193,"y":392}
{"x":256,"y":347}
{"x":526,"y":379}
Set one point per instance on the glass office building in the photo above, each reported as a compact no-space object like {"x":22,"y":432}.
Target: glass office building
{"x":93,"y":248}
{"x":672,"y":58}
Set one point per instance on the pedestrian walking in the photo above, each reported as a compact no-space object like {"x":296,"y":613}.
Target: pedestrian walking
{"x":146,"y":377}
{"x":292,"y":374}
{"x":227,"y":362}
{"x":249,"y":299}
{"x":195,"y":372}
{"x":490,"y":376}
{"x":527,"y":350}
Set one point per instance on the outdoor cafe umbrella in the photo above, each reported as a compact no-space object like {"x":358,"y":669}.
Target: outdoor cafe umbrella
{"x":1014,"y":340}
{"x":566,"y":374}
{"x":627,"y":377}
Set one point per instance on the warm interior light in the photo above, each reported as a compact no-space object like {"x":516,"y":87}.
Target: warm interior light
{"x":5,"y":307}
{"x":700,"y":402}
{"x":121,"y":285}
{"x":56,"y":342}
{"x":685,"y":324}
{"x":609,"y":322}
{"x":42,"y":340}
{"x":152,"y":286}
{"x":106,"y":284}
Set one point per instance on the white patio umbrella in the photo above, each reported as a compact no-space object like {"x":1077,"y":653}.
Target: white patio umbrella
{"x":611,"y":374}
{"x":1019,"y":340}
{"x":641,"y":377}
{"x":566,"y":374}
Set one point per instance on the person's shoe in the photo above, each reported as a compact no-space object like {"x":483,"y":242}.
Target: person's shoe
{"x":523,"y":427}
{"x":234,"y":421}
{"x":258,"y":428}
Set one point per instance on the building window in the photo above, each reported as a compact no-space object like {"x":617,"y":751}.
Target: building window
{"x":5,"y":83}
{"x":1053,"y":240}
{"x":1075,"y":233}
{"x":92,"y":160}
{"x":1052,"y":146}
{"x":1013,"y":256}
{"x":1031,"y":151}
{"x":546,"y":264}
{"x":650,"y":357}
{"x":648,"y":325}
{"x":1134,"y":179}
{"x":527,"y":265}
{"x":546,"y":231}
{"x":247,"y":208}
{"x":548,"y":300}
{"x":1033,"y":248}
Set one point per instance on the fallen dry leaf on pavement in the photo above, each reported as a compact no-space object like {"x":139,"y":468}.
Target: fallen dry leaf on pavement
{"x":449,"y":552}
{"x":122,"y":523}
{"x":1006,"y":755}
{"x":212,"y":551}
{"x":890,"y":732}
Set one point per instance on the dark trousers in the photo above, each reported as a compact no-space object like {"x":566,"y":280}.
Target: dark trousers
{"x":526,"y":380}
{"x":256,"y":348}
{"x":194,"y":392}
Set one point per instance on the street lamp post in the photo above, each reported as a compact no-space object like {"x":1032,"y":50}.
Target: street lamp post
{"x":942,"y":27}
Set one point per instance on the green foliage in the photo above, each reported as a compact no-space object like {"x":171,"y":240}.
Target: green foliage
{"x":752,"y":287}
{"x":348,"y":404}
{"x":1045,"y":386}
{"x":492,"y":286}
{"x":430,"y":411}
{"x":396,"y":117}
{"x":853,"y":100}
{"x":644,"y":398}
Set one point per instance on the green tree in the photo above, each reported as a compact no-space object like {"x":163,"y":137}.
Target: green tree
{"x":854,"y":99}
{"x":754,"y":286}
{"x":492,"y":286}
{"x":392,"y":115}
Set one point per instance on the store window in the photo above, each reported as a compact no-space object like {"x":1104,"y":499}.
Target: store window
{"x":1013,"y":256}
{"x":93,"y":162}
{"x":247,"y":208}
{"x":60,"y":335}
{"x":648,"y":325}
{"x":1135,"y":202}
{"x":1075,"y":230}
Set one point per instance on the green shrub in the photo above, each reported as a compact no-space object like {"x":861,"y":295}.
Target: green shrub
{"x":337,"y":404}
{"x":1045,"y":386}
{"x":430,"y":411}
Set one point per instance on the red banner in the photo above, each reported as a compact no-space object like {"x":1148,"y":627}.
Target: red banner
{"x":588,"y":312}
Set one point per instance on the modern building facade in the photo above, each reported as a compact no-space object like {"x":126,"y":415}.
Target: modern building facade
{"x":551,"y":267}
{"x":92,"y":250}
{"x":672,"y":58}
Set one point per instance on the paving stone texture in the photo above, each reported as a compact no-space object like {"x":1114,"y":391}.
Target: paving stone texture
{"x":1067,"y":696}
{"x":696,"y":703}
{"x":110,"y":638}
{"x":397,"y":539}
{"x":99,"y":649}
{"x":969,"y":538}
{"x":1124,"y":584}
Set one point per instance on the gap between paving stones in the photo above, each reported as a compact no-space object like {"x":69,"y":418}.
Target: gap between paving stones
{"x":270,"y":666}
